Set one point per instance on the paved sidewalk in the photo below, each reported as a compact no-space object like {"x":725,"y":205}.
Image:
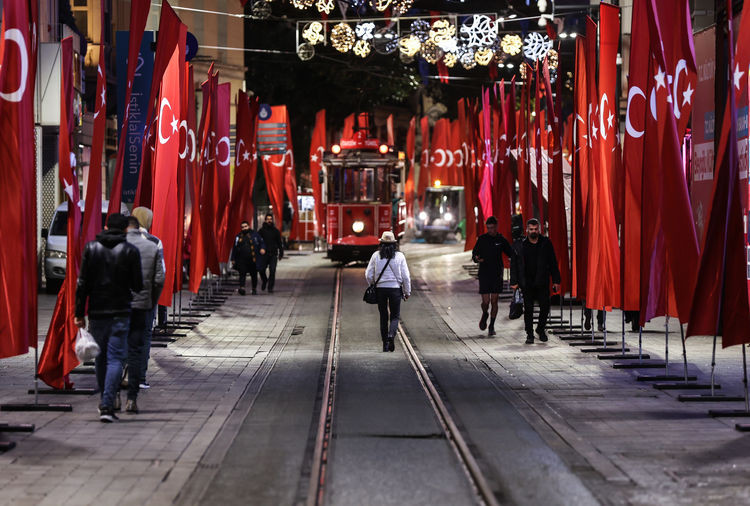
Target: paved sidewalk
{"x":645,"y":446}
{"x":72,"y":458}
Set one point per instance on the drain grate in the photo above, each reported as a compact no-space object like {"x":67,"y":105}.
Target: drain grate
{"x":298,"y":330}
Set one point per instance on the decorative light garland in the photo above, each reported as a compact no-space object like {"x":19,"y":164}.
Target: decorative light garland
{"x":342,"y":37}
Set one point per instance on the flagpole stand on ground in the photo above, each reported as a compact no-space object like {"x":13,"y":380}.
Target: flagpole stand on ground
{"x":687,"y":381}
{"x":666,"y":376}
{"x":623,"y":355}
{"x":713,"y":396}
{"x":604,"y":348}
{"x":36,"y":406}
{"x":655,"y":364}
{"x":736,"y":413}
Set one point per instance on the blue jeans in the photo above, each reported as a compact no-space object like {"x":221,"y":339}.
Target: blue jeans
{"x":111,"y":334}
{"x":140,"y":322}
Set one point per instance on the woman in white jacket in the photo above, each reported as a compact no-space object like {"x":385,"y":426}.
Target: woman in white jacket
{"x":394,"y":285}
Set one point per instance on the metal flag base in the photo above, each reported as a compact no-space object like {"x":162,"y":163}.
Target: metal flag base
{"x":729,"y":413}
{"x":157,"y":344}
{"x":742,"y":427}
{"x":624,"y":356}
{"x":709,"y":398}
{"x":64,"y":391}
{"x":683,"y":386}
{"x":578,"y":336}
{"x":7,"y":446}
{"x":638,"y":365}
{"x":575,"y":329}
{"x":21,"y":427}
{"x":603,"y":350}
{"x":36,"y":407}
{"x":595,"y":343}
{"x":83,"y":370}
{"x":664,"y":377}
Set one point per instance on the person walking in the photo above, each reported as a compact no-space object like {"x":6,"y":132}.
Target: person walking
{"x":389,"y":265}
{"x":145,"y":218}
{"x":143,"y":305}
{"x":247,"y":255}
{"x":110,"y":270}
{"x":531,"y":269}
{"x":488,"y":252}
{"x":274,"y":252}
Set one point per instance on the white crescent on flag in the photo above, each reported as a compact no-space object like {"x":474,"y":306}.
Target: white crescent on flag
{"x":451,"y":160}
{"x":15,"y":35}
{"x":632,"y":93}
{"x":184,"y":152}
{"x":460,"y":153}
{"x":223,"y":140}
{"x":679,"y":68}
{"x":162,"y":120}
{"x":440,"y":152}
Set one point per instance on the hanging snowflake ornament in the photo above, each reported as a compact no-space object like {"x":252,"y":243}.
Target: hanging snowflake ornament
{"x":536,"y":46}
{"x":401,"y":6}
{"x":483,"y":56}
{"x":306,"y":51}
{"x":313,"y":33}
{"x":303,"y":4}
{"x":450,"y":60}
{"x":364,"y":31}
{"x":342,"y":37}
{"x":481,"y":31}
{"x":467,"y":60}
{"x":381,"y":5}
{"x":442,"y":30}
{"x":431,"y":52}
{"x":325,"y":6}
{"x":511,"y":44}
{"x":385,"y":41}
{"x":362,"y":48}
{"x":421,"y":29}
{"x":410,"y":45}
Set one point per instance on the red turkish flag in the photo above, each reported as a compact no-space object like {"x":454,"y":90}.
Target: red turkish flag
{"x":195,"y":177}
{"x":604,"y":274}
{"x":275,"y":165}
{"x":58,"y":356}
{"x":410,"y":153}
{"x":187,"y":143}
{"x":138,"y":17}
{"x":167,"y":217}
{"x":537,"y":132}
{"x":669,"y":243}
{"x":223,"y":171}
{"x":505,"y":167}
{"x":169,"y":33}
{"x":485,"y":186}
{"x":18,"y":272}
{"x":317,"y":148}
{"x":424,"y":160}
{"x":633,"y":156}
{"x":579,"y":214}
{"x":470,"y":194}
{"x":439,"y":147}
{"x":348,"y":127}
{"x":290,"y":180}
{"x":522,"y":150}
{"x":241,"y":205}
{"x":209,"y":185}
{"x":720,"y":301}
{"x":389,"y":130}
{"x":457,"y":152}
{"x":92,"y":222}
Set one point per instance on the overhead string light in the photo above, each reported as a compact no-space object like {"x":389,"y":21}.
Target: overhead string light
{"x":342,"y":37}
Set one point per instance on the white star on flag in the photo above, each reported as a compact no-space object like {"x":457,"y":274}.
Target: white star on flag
{"x":313,"y":158}
{"x":659,"y":77}
{"x":175,"y":124}
{"x":266,"y":157}
{"x":610,"y":120}
{"x":737,"y":75}
{"x":245,"y":156}
{"x":687,"y":95}
{"x":68,"y":189}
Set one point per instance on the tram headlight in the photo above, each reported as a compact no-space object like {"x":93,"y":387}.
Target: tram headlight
{"x":448,"y":217}
{"x":422,"y":215}
{"x":358,"y":226}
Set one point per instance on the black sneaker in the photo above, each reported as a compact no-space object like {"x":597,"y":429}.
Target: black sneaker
{"x":483,"y":320}
{"x":106,"y":415}
{"x":529,"y":339}
{"x":391,"y":345}
{"x":587,"y":323}
{"x":385,"y":345}
{"x":542,"y":336}
{"x":263,"y":284}
{"x":600,"y":326}
{"x":131,"y":407}
{"x":241,"y":291}
{"x":491,"y":332}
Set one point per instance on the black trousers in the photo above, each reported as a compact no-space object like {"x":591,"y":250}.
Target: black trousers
{"x":539,"y":294}
{"x":271,"y":278}
{"x":389,"y":305}
{"x":248,"y":268}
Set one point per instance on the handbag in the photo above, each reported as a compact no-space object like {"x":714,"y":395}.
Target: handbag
{"x":371,"y":297}
{"x":516,"y":305}
{"x":86,"y":348}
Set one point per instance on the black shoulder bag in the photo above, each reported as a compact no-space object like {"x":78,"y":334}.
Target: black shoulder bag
{"x":371,"y":297}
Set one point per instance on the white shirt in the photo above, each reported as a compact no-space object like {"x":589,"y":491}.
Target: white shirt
{"x":396,"y":275}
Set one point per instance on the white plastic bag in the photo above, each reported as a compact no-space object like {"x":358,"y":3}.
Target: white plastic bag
{"x":86,"y":347}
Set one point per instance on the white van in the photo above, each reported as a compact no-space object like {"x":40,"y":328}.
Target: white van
{"x":56,"y":247}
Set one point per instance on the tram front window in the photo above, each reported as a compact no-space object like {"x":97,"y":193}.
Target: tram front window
{"x":362,"y":184}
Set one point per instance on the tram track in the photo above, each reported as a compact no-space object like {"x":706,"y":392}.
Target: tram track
{"x":321,"y":458}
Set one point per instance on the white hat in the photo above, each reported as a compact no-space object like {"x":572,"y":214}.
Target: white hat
{"x":387,"y":237}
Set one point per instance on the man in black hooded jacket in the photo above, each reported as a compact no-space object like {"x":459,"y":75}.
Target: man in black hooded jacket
{"x":274,"y":252}
{"x":110,"y":272}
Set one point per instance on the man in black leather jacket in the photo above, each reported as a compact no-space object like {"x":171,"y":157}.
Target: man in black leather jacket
{"x":110,"y":270}
{"x":532,"y":267}
{"x":274,"y":252}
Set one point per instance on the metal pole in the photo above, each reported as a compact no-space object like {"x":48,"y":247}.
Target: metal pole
{"x":666,"y":345}
{"x":623,"y":332}
{"x":684,"y":353}
{"x":36,"y":374}
{"x":713,"y":366}
{"x":570,"y":312}
{"x":744,"y":379}
{"x":592,"y":327}
{"x":640,"y":343}
{"x":604,"y":321}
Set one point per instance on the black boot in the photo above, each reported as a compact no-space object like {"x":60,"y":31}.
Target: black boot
{"x":483,"y":320}
{"x":391,"y":345}
{"x":492,"y":327}
{"x":385,"y":344}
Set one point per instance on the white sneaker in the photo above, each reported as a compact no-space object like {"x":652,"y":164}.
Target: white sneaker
{"x":144,"y":385}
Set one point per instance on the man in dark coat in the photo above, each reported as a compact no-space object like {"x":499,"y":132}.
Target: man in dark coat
{"x":110,"y":272}
{"x":488,"y":253}
{"x":247,"y":255}
{"x":531,"y":268}
{"x":274,"y":252}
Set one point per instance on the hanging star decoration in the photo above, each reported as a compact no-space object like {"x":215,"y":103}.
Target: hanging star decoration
{"x":511,"y":44}
{"x":536,"y":46}
{"x":410,"y":45}
{"x":362,"y":48}
{"x":342,"y":37}
{"x":313,"y":33}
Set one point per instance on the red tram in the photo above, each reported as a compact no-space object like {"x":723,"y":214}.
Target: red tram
{"x":360,"y":182}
